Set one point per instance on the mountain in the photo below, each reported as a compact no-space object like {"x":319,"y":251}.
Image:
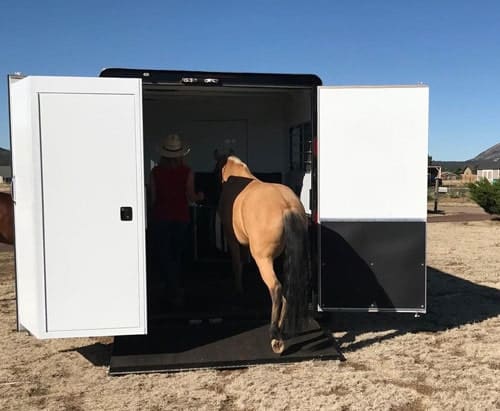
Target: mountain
{"x":491,"y":154}
{"x":487,"y":159}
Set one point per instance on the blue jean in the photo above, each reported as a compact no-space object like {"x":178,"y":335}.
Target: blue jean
{"x":169,"y":242}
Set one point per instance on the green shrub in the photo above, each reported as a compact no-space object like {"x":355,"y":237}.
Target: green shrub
{"x":487,"y":195}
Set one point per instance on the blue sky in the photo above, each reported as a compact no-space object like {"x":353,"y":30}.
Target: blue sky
{"x":453,"y":46}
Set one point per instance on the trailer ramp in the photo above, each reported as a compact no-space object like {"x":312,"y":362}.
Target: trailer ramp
{"x":215,"y":344}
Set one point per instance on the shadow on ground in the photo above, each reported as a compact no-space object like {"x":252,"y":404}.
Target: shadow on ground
{"x":98,"y":354}
{"x":451,"y":302}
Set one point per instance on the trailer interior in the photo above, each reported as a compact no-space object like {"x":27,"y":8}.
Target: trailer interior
{"x":270,"y":129}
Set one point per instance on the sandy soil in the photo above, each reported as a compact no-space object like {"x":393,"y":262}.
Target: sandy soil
{"x":448,"y":359}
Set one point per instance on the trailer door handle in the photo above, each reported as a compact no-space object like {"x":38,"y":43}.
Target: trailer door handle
{"x":126,"y":213}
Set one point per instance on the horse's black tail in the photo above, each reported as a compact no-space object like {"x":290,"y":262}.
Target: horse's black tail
{"x":296,"y":271}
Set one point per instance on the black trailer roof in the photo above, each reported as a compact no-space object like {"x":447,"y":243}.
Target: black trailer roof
{"x":211,"y":78}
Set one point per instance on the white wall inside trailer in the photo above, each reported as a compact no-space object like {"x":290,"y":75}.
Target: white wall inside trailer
{"x":254,"y":125}
{"x":298,"y":108}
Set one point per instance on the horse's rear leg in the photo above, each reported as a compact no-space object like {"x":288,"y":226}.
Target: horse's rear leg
{"x":283,"y":312}
{"x":268,"y":275}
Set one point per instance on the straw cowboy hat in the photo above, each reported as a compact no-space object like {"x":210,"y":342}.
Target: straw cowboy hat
{"x":172,"y":147}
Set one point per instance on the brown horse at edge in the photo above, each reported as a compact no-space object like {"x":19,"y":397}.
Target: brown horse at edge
{"x":270,"y":220}
{"x":6,"y":219}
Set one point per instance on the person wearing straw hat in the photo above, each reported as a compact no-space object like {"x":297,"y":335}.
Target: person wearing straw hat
{"x":172,"y":189}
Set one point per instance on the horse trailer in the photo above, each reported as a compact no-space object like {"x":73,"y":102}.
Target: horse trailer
{"x":82,"y":150}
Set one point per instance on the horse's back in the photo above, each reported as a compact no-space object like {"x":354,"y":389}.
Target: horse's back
{"x":6,"y":218}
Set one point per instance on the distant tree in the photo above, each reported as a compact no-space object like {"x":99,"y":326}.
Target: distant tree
{"x":429,"y":160}
{"x":487,"y":195}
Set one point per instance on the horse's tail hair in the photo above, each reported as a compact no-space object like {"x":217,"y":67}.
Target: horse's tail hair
{"x":296,"y":271}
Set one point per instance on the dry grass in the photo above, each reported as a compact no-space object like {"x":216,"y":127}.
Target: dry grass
{"x":448,"y":359}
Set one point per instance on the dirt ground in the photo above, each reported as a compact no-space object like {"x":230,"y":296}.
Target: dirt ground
{"x":447,"y":359}
{"x":456,"y":209}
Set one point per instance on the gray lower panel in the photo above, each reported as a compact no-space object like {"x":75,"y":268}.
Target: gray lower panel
{"x":372,"y":266}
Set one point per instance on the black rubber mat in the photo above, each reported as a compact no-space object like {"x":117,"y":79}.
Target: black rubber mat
{"x":215,"y":343}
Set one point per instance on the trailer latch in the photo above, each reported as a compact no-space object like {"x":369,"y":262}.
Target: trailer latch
{"x":126,"y":213}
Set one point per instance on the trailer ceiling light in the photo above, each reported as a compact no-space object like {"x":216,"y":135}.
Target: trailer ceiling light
{"x":189,"y":80}
{"x":211,"y":80}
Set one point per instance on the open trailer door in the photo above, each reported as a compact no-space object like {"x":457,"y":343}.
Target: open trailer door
{"x":372,"y":198}
{"x":78,"y":188}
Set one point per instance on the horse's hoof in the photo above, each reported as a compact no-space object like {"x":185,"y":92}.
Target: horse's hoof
{"x":278,"y":346}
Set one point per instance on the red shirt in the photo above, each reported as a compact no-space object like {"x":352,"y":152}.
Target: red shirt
{"x":170,"y":193}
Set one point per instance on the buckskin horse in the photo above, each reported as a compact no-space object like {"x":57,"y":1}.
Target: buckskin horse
{"x":270,"y":220}
{"x":6,"y":219}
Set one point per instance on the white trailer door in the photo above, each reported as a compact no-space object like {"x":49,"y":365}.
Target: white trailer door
{"x":372,"y":197}
{"x":79,"y":205}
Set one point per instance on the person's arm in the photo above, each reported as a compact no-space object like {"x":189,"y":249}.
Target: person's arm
{"x":191,"y":194}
